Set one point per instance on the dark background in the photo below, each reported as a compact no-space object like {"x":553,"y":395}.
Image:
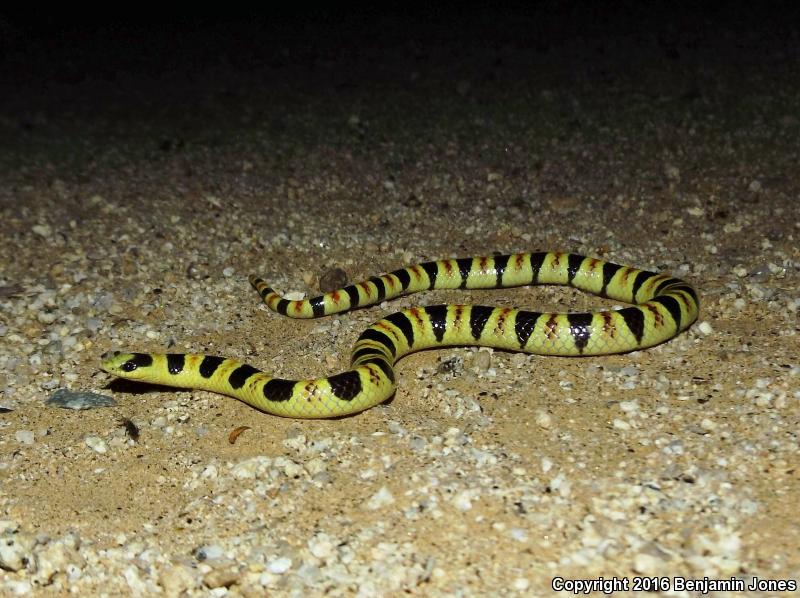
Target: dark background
{"x":72,"y":65}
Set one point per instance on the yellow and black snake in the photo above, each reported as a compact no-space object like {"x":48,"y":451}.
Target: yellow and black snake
{"x":664,"y":307}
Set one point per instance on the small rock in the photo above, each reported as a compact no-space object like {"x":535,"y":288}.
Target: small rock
{"x":482,"y":361}
{"x":708,"y":424}
{"x":57,"y":557}
{"x":316,"y":466}
{"x":208,"y":553}
{"x":647,"y":564}
{"x":16,"y":551}
{"x":463,"y":500}
{"x":176,"y":580}
{"x":521,"y":584}
{"x":43,"y":230}
{"x":321,"y":546}
{"x":70,"y":399}
{"x":755,"y":186}
{"x":224,"y":577}
{"x":672,"y":172}
{"x":8,"y":526}
{"x":382,"y":498}
{"x":24,"y":436}
{"x":97,"y":444}
{"x":332,"y":279}
{"x":253,"y":468}
{"x":543,"y":420}
{"x":519,"y":534}
{"x":280,"y":565}
{"x":705,"y":328}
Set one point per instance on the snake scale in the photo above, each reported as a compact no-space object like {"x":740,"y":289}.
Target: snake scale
{"x":663,"y":306}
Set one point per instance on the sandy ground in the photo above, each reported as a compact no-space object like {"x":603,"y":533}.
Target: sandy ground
{"x":134,"y":204}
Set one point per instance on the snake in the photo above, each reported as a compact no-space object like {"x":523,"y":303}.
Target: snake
{"x":661,"y":307}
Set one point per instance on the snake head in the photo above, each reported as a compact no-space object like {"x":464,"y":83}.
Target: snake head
{"x":126,"y":365}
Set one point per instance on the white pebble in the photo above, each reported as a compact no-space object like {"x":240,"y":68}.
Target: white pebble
{"x":210,"y":472}
{"x":705,"y":328}
{"x":463,"y":500}
{"x":8,"y":526}
{"x":24,"y":436}
{"x":543,"y":420}
{"x":521,"y":584}
{"x":519,"y":534}
{"x":321,"y":546}
{"x":708,"y":424}
{"x":255,"y":467}
{"x":57,"y":557}
{"x":15,"y":551}
{"x":43,"y":230}
{"x":292,"y":469}
{"x":18,"y":588}
{"x":381,"y":498}
{"x":561,"y":485}
{"x":46,"y":317}
{"x":316,"y":466}
{"x":280,"y":565}
{"x":646,"y":564}
{"x":208,"y":553}
{"x":97,"y":444}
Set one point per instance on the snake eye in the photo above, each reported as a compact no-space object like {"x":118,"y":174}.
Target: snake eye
{"x":129,"y":365}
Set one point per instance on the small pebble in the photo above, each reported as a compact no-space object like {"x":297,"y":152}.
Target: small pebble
{"x":97,"y":444}
{"x":15,"y":551}
{"x":221,"y":578}
{"x":208,"y":553}
{"x":521,"y":584}
{"x":280,"y":565}
{"x":43,"y":230}
{"x":332,"y":279}
{"x":646,"y":564}
{"x":321,"y":546}
{"x":176,"y":579}
{"x":519,"y":534}
{"x":463,"y":500}
{"x":382,"y":498}
{"x":543,"y":420}
{"x":70,"y":399}
{"x":705,"y":328}
{"x":482,"y":361}
{"x":24,"y":436}
{"x":708,"y":424}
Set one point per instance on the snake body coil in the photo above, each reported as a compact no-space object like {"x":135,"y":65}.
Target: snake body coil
{"x":664,"y":307}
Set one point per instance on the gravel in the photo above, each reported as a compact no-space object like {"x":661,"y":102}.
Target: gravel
{"x":488,"y":473}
